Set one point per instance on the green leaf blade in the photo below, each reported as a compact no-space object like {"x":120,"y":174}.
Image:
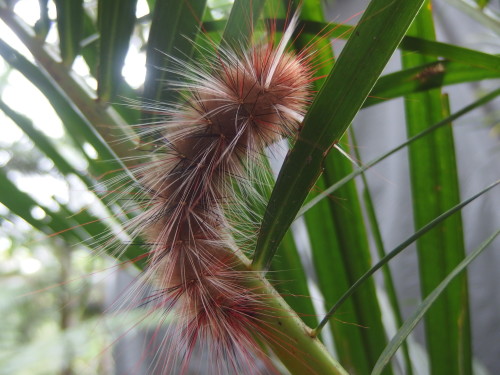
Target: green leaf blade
{"x":434,"y":181}
{"x":116,"y":20}
{"x":331,"y":113}
{"x":174,"y":28}
{"x":70,"y":26}
{"x":338,"y":237}
{"x":425,"y":77}
{"x":240,"y":24}
{"x":77,"y":125}
{"x":424,"y":307}
{"x":389,"y":284}
{"x":291,"y":281}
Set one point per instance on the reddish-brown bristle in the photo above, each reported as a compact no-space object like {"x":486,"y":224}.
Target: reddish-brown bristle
{"x":230,"y":112}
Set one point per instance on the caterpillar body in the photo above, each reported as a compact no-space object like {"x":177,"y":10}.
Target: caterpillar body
{"x":207,"y":149}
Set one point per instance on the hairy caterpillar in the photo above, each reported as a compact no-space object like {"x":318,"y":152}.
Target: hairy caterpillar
{"x":206,"y":153}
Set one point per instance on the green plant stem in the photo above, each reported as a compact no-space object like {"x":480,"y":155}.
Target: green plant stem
{"x":289,"y":338}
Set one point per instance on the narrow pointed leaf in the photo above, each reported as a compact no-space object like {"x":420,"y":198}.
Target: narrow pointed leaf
{"x":380,"y":247}
{"x":340,"y":249}
{"x":116,"y":19}
{"x":22,"y":204}
{"x":426,"y":304}
{"x":329,"y":190}
{"x":43,"y":144}
{"x":409,"y":43}
{"x":101,"y":117}
{"x":397,"y":250}
{"x":425,"y":77}
{"x":174,"y":28}
{"x":434,"y":185}
{"x":69,"y":25}
{"x":343,"y":93}
{"x":78,"y":126}
{"x":240,"y":24}
{"x":290,"y":281}
{"x":89,"y":48}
